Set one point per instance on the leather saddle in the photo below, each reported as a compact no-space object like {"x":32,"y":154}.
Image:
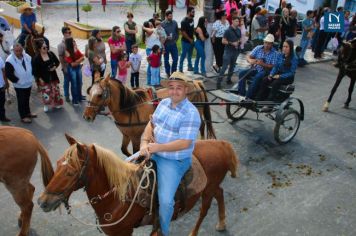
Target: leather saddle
{"x":193,"y":182}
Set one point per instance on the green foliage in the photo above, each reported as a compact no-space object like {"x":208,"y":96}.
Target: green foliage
{"x":87,"y":8}
{"x":15,"y":3}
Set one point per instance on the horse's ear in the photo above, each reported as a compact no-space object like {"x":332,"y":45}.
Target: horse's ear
{"x":107,"y":78}
{"x":80,"y":149}
{"x":70,"y":139}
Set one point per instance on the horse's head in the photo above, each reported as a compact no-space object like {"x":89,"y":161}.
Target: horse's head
{"x":69,"y":176}
{"x":99,"y":95}
{"x":345,"y":52}
{"x":7,"y":41}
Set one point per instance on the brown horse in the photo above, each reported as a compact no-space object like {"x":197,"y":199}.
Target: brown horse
{"x":104,"y":174}
{"x":347,"y":67}
{"x":30,"y":46}
{"x":18,"y":157}
{"x":132,"y":109}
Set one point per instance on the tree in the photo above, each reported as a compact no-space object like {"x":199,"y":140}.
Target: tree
{"x":87,"y":8}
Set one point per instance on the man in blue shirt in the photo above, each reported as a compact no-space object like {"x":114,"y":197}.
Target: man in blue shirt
{"x":175,"y":125}
{"x":28,"y":22}
{"x":308,"y":27}
{"x":170,"y":45}
{"x":262,"y":59}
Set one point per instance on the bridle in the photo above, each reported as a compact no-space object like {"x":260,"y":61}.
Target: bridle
{"x":105,"y":96}
{"x":81,"y":179}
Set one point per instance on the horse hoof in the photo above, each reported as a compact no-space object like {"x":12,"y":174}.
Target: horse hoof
{"x":325,"y":107}
{"x":220,"y":227}
{"x":19,"y":223}
{"x":346,"y":106}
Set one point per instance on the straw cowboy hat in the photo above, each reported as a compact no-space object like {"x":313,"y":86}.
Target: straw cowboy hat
{"x":178,"y":77}
{"x":269,"y":38}
{"x":25,"y":6}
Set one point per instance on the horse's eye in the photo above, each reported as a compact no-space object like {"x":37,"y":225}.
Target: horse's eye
{"x":70,"y":173}
{"x":100,"y":95}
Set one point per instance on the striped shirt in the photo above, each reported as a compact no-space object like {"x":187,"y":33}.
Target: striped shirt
{"x":270,"y":57}
{"x":170,"y":124}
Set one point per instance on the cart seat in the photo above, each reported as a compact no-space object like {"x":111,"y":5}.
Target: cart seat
{"x":288,"y":89}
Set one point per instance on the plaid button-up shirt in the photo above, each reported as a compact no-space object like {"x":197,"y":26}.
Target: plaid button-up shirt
{"x":269,"y":58}
{"x":170,"y":124}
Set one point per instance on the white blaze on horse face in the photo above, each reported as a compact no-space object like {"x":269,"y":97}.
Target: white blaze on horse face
{"x":7,"y":42}
{"x":65,"y":162}
{"x":95,"y":91}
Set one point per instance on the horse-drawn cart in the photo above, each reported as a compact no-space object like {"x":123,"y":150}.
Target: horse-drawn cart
{"x":282,"y":111}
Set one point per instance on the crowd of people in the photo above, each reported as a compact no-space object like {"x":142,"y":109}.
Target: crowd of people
{"x":273,"y":59}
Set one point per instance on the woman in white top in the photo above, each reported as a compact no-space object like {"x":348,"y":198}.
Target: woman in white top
{"x":219,"y":28}
{"x":150,"y":38}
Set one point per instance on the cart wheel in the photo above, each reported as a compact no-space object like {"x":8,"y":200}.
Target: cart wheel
{"x":235,"y":112}
{"x":287,"y":127}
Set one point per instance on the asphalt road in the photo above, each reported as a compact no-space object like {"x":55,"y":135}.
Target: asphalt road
{"x":307,"y":187}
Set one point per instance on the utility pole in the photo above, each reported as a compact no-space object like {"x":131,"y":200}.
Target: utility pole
{"x":77,"y":10}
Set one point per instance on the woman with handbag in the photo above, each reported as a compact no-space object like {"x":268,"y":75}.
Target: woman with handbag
{"x":44,"y":66}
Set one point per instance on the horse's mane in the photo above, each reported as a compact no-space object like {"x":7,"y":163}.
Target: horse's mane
{"x":120,"y":174}
{"x":349,"y":51}
{"x":129,"y":98}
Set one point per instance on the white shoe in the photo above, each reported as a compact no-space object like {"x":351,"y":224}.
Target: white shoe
{"x":59,"y":107}
{"x":45,"y":108}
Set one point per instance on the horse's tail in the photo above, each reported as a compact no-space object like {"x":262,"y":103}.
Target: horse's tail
{"x":207,"y":114}
{"x":46,"y":166}
{"x":234,"y":162}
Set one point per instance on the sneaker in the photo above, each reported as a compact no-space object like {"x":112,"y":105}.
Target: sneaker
{"x":5,"y":119}
{"x":58,"y":107}
{"x":26,"y":120}
{"x":32,"y":115}
{"x":196,"y":72}
{"x":190,"y":69}
{"x":67,"y":99}
{"x":203,"y":74}
{"x":76,"y":104}
{"x":45,"y":108}
{"x":217,"y":70}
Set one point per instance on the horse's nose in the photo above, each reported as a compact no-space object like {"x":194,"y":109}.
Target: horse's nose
{"x":42,"y":204}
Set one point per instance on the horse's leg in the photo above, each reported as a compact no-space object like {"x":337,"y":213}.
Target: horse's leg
{"x":22,"y":194}
{"x":219,"y":196}
{"x":206,"y":202}
{"x":333,"y":90}
{"x":125,"y":143}
{"x":136,"y":144}
{"x":351,"y":89}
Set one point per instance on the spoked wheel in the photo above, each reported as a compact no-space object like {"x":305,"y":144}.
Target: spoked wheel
{"x":287,"y":126}
{"x":235,"y":112}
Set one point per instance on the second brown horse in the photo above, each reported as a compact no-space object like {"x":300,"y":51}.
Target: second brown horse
{"x":131,"y":109}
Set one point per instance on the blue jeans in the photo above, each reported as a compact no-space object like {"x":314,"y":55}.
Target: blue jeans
{"x":187,"y":51}
{"x":76,"y":83}
{"x":66,"y":80}
{"x":199,"y":46}
{"x":256,"y":78}
{"x":148,"y":78}
{"x":173,"y":50}
{"x":113,"y":64}
{"x":129,"y":44}
{"x":155,"y":76}
{"x":169,"y":175}
{"x":229,"y":60}
{"x":304,"y":45}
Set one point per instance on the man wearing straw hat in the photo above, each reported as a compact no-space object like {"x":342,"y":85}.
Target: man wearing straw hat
{"x":174,"y":125}
{"x":28,"y":22}
{"x":262,"y":60}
